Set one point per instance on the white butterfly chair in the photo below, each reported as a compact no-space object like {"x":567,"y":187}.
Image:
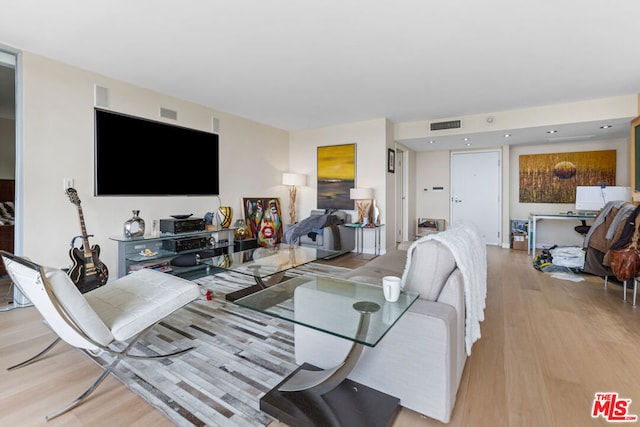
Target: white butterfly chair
{"x":103,"y":320}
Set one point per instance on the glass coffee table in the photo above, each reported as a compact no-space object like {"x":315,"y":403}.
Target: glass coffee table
{"x":351,"y":310}
{"x":267,"y":265}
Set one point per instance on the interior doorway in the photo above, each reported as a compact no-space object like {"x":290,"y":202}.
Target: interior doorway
{"x":401,"y":198}
{"x":476,"y":191}
{"x":8,"y":151}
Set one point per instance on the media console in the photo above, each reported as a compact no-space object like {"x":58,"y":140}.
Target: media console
{"x":158,"y":251}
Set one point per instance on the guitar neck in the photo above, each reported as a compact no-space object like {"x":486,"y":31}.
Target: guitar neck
{"x":85,"y":239}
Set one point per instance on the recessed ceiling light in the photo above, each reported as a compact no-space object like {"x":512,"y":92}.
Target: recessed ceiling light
{"x":468,"y":144}
{"x":507,"y":135}
{"x":606,"y":126}
{"x":431,"y":141}
{"x":552,"y":131}
{"x":466,"y":139}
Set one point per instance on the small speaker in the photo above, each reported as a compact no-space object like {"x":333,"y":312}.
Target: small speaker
{"x":215,"y":125}
{"x":101,"y":96}
{"x":186,"y":260}
{"x":168,"y":114}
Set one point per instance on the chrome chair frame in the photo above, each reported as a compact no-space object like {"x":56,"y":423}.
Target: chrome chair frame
{"x":118,"y":355}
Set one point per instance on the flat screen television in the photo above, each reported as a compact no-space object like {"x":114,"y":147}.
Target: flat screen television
{"x":140,"y":157}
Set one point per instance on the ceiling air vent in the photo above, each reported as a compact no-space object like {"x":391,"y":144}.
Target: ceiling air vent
{"x":168,"y":114}
{"x":453,"y":124}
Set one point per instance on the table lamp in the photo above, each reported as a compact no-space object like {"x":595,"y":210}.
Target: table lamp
{"x":364,"y":203}
{"x":293,"y":180}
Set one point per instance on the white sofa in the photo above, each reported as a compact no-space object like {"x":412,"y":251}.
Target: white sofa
{"x":422,"y":357}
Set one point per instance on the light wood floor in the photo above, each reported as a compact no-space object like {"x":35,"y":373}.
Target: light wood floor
{"x":547,"y":347}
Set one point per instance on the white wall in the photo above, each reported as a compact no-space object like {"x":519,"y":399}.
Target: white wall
{"x":433,"y":169}
{"x":58,"y":138}
{"x":548,"y":115}
{"x":372,"y":140}
{"x":389,"y":239}
{"x":560,"y":232}
{"x":409,"y":177}
{"x":58,"y":143}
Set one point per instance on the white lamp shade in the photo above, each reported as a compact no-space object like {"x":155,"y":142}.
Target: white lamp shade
{"x":294,"y":179}
{"x":361,"y":193}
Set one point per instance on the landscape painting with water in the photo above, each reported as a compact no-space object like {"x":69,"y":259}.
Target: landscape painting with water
{"x":336,"y":176}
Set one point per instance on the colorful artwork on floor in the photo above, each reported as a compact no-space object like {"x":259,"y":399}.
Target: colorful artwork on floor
{"x":336,"y":176}
{"x":264,"y":219}
{"x":552,"y":178}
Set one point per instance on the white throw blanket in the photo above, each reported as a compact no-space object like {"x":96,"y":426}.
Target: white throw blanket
{"x":470,"y":252}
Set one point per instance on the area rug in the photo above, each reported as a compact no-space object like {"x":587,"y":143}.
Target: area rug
{"x":239,"y":356}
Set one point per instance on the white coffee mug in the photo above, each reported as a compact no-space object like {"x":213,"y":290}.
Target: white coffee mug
{"x":391,"y":288}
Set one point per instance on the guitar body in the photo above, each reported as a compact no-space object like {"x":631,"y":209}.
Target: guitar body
{"x":86,"y":277}
{"x":87,"y":272}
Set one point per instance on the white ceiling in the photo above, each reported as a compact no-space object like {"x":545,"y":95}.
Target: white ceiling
{"x":299,"y":64}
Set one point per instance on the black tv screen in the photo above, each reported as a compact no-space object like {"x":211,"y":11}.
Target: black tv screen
{"x":140,"y":157}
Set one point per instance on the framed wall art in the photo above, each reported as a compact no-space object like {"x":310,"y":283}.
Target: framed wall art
{"x":553,"y":177}
{"x":391,"y":160}
{"x":264,"y":219}
{"x":336,"y":176}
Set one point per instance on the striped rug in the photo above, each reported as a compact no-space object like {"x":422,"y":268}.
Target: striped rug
{"x":239,"y":356}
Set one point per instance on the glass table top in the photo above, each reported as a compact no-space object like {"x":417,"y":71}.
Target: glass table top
{"x":360,"y":225}
{"x":334,"y":306}
{"x":266,"y":261}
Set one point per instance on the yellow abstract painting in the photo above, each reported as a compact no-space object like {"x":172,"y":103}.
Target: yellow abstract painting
{"x":336,"y":176}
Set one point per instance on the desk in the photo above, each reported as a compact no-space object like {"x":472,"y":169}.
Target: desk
{"x":359,"y":230}
{"x":354,"y":311}
{"x":534,"y":218}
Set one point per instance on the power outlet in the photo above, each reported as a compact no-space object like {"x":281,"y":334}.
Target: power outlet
{"x":67,"y":183}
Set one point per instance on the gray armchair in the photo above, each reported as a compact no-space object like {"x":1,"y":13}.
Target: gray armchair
{"x":332,"y":237}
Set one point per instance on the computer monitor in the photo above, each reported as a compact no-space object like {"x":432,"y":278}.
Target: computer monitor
{"x":593,"y":198}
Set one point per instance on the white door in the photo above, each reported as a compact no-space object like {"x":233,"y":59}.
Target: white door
{"x":476,"y":192}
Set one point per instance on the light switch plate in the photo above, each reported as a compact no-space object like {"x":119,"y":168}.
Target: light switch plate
{"x":67,"y":183}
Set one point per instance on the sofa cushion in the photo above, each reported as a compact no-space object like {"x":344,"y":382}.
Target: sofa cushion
{"x":135,"y":301}
{"x":371,"y":275}
{"x":390,"y":264}
{"x":392,"y":261}
{"x":317,"y":240}
{"x":430,"y":266}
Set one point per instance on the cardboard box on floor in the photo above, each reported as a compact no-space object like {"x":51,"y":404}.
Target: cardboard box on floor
{"x":520,"y":241}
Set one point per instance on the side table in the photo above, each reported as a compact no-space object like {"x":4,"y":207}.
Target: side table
{"x":359,"y":230}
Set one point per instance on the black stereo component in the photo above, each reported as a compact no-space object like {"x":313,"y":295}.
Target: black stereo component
{"x":175,"y":226}
{"x":185,"y":244}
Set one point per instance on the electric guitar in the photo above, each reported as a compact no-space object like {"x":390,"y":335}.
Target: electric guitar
{"x":88,"y":272}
